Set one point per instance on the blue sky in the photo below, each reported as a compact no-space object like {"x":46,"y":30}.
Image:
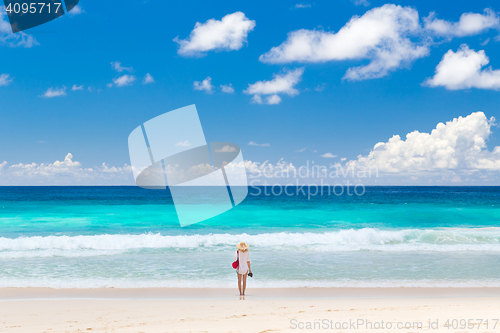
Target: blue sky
{"x":323,"y":110}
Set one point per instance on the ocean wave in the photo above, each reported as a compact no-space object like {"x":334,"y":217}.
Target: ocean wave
{"x":93,"y":283}
{"x":367,"y":239}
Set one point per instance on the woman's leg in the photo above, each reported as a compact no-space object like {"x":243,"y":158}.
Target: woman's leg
{"x":239,"y":283}
{"x":244,"y":282}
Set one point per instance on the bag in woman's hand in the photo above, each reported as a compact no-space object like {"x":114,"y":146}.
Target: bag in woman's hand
{"x":236,"y":263}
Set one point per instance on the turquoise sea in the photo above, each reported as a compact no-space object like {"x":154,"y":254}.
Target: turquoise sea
{"x":91,"y":237}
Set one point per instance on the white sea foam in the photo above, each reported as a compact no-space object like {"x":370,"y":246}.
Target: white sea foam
{"x":92,"y":283}
{"x":367,"y":239}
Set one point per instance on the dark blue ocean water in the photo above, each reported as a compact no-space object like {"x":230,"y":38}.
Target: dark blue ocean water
{"x":131,"y":237}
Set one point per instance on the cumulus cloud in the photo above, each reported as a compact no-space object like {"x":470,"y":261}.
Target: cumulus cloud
{"x":124,"y":80}
{"x":381,"y":35}
{"x":228,"y":34}
{"x":55,"y":92}
{"x":5,"y":80}
{"x":77,"y":87}
{"x":280,"y":84}
{"x":148,"y":78}
{"x":273,"y":99}
{"x":205,"y":85}
{"x":227,"y":88}
{"x":251,"y":143}
{"x":19,"y":39}
{"x":65,"y":172}
{"x":77,"y":10}
{"x":469,"y":24}
{"x":302,"y":5}
{"x":454,"y":152}
{"x":361,"y":3}
{"x":463,"y":70}
{"x":226,"y":149}
{"x":328,"y":155}
{"x":257,"y":99}
{"x":183,"y":144}
{"x":269,"y":170}
{"x":117,"y":66}
{"x":459,"y":144}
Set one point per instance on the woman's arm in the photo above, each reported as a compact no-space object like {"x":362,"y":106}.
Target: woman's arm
{"x":249,"y":269}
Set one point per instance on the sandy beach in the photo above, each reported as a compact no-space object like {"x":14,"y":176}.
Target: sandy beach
{"x":263,"y":310}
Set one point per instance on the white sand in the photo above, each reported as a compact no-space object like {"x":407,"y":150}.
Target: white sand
{"x":261,"y":311}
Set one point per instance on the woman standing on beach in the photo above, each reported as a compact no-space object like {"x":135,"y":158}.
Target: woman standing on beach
{"x":244,"y":266}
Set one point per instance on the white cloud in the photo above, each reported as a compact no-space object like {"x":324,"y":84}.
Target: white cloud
{"x":77,"y":87}
{"x":55,"y":92}
{"x":381,"y":35}
{"x":320,"y":88}
{"x":458,"y":145}
{"x":273,"y":100}
{"x":301,"y":150}
{"x":280,"y":84}
{"x":77,"y":10}
{"x":226,"y":149}
{"x":485,"y":42}
{"x":257,"y":99}
{"x":469,"y":24}
{"x":227,"y":88}
{"x":463,"y":70}
{"x":251,"y":143}
{"x":361,"y":3}
{"x":18,"y":39}
{"x":183,"y":144}
{"x":300,"y":5}
{"x":117,"y":66}
{"x":148,"y":79}
{"x":454,"y":152}
{"x":268,"y":170}
{"x":205,"y":85}
{"x":328,"y":155}
{"x":66,"y":172}
{"x":228,"y":34}
{"x":5,"y":79}
{"x":124,"y":80}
